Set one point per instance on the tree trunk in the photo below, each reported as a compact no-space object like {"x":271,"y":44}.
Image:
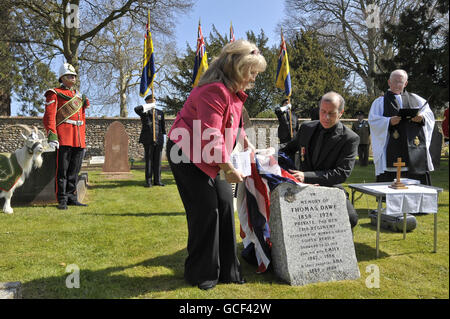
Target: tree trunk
{"x":5,"y":103}
{"x":123,"y":105}
{"x":123,"y":95}
{"x":71,"y":34}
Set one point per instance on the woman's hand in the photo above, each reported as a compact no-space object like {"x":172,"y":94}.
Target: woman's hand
{"x":234,"y":176}
{"x":231,"y":174}
{"x":248,"y":145}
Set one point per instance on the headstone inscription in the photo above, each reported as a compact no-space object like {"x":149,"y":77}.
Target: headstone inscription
{"x":116,"y":149}
{"x":97,"y":160}
{"x":311,"y":235}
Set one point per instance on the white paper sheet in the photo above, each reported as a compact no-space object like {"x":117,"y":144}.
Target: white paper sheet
{"x":241,"y":162}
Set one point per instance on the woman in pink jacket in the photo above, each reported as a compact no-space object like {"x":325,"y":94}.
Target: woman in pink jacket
{"x":200,"y":143}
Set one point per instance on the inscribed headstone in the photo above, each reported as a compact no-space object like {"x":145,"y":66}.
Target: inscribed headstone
{"x":311,"y":235}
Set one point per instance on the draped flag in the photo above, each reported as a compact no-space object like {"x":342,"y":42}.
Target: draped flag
{"x":232,"y":39}
{"x":201,"y":59}
{"x":283,"y":75}
{"x":253,"y":205}
{"x":148,"y":69}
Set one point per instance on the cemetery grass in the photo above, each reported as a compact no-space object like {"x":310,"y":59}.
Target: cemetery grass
{"x":130,"y":242}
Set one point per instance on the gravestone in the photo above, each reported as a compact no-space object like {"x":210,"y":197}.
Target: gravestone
{"x":39,"y":186}
{"x":311,"y":235}
{"x":82,"y":185}
{"x":97,"y":160}
{"x":116,"y":149}
{"x":11,"y":290}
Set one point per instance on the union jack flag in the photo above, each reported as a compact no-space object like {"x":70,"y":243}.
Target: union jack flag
{"x":201,"y":59}
{"x":253,"y":205}
{"x":232,"y":39}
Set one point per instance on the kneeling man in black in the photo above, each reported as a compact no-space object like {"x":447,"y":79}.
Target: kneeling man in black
{"x":327,"y":149}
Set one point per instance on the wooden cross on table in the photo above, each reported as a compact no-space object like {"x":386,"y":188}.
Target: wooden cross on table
{"x":397,"y":184}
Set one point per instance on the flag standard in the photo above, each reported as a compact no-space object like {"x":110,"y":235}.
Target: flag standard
{"x":283,"y":72}
{"x":148,"y":69}
{"x":201,"y":59}
{"x":232,"y":39}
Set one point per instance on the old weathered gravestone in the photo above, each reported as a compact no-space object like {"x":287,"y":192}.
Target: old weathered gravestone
{"x":39,"y":186}
{"x":11,"y":290}
{"x":116,"y":149}
{"x":311,"y":235}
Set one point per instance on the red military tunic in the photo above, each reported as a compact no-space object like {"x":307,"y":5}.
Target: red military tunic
{"x":67,"y":134}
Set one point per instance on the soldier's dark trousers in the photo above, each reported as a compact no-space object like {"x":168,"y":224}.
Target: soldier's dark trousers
{"x":363,"y":154}
{"x":152,"y":157}
{"x":69,"y":161}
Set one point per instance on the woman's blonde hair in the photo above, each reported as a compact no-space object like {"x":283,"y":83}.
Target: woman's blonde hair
{"x":234,"y":64}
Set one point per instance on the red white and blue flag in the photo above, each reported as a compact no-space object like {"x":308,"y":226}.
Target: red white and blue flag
{"x":253,"y":204}
{"x":232,"y":38}
{"x":201,"y":58}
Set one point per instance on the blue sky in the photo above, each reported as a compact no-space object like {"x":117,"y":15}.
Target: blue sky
{"x":244,"y":14}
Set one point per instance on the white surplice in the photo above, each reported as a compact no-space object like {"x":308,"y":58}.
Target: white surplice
{"x":379,"y":132}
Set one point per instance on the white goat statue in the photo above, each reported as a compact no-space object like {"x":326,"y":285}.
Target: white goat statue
{"x":20,"y":163}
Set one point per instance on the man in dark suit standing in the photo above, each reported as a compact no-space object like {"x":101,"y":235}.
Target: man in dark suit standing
{"x":327,"y":149}
{"x":363,"y":130}
{"x":152,"y":137}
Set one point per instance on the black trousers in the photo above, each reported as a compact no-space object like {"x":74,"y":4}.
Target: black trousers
{"x":152,"y":157}
{"x":352,"y":214}
{"x":363,"y":154}
{"x":212,"y":252}
{"x":69,"y":162}
{"x":425,"y":179}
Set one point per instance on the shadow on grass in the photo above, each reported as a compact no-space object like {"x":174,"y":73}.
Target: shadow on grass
{"x":366,"y":253}
{"x":111,"y":283}
{"x":374,"y":228}
{"x":249,"y":270}
{"x":126,"y":183}
{"x":142,"y":214}
{"x":105,"y":283}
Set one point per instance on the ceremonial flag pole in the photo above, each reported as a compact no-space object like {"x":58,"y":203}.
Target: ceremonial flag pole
{"x":148,"y":69}
{"x":232,"y":39}
{"x":201,"y":59}
{"x":283,"y":79}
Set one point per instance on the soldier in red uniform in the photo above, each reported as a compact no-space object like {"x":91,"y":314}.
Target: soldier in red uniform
{"x":65,"y":122}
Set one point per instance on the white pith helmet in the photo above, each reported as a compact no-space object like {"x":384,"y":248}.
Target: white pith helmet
{"x":65,"y":69}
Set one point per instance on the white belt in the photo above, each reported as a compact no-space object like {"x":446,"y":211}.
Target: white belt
{"x":77,"y":123}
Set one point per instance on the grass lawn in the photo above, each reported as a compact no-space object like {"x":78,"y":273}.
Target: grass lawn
{"x":131,"y":243}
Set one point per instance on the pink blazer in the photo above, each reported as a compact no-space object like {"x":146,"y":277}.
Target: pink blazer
{"x":207,"y":125}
